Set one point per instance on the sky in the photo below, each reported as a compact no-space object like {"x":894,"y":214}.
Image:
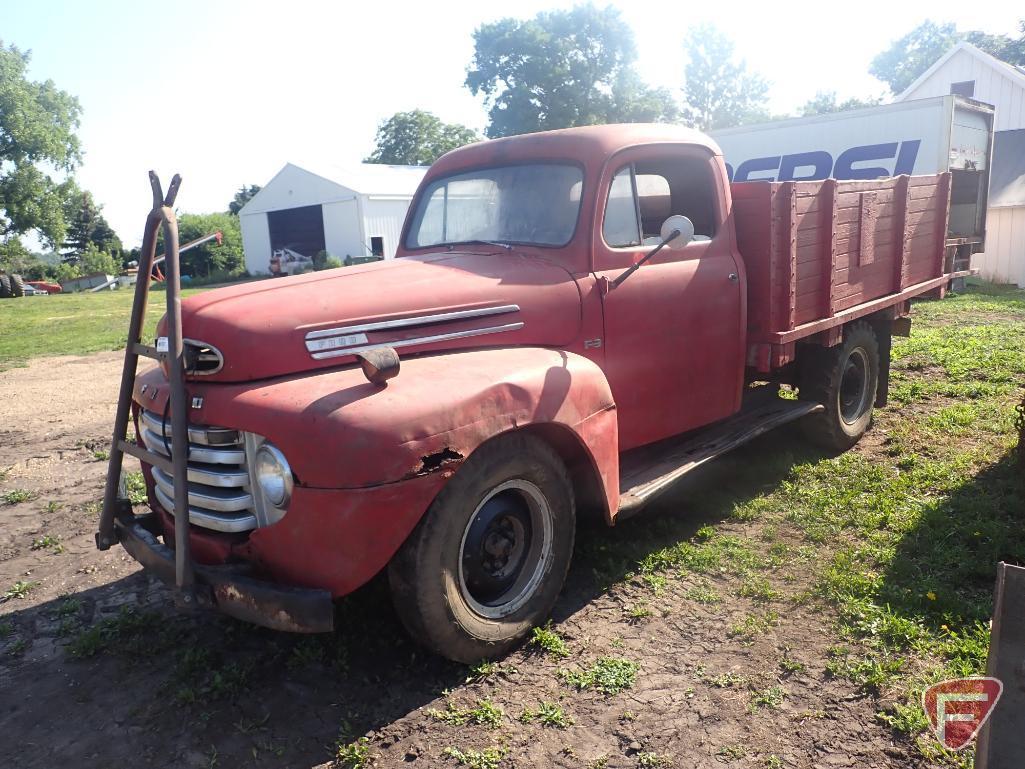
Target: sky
{"x":225,"y":93}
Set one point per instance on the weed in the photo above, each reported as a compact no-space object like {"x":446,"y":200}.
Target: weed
{"x":14,"y":496}
{"x":547,"y":714}
{"x":772,"y":761}
{"x":483,"y":713}
{"x":768,"y":698}
{"x":638,"y":612}
{"x":135,"y":486}
{"x":789,"y":666}
{"x":758,"y":589}
{"x":20,"y":589}
{"x":753,"y":625}
{"x":482,"y":671}
{"x":101,"y":455}
{"x":657,"y":582}
{"x":549,"y":641}
{"x":489,"y":758}
{"x":601,"y":762}
{"x":129,"y":631}
{"x":703,"y":594}
{"x":726,"y":680}
{"x":52,"y":507}
{"x":608,"y":675}
{"x":48,"y":542}
{"x":17,"y":648}
{"x":653,"y":760}
{"x":355,"y":755}
{"x":731,"y":752}
{"x":6,"y":628}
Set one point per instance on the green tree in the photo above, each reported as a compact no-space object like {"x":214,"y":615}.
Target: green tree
{"x":86,"y":225}
{"x":825,"y":102}
{"x":417,"y":138}
{"x":16,"y":259}
{"x":243,"y":196}
{"x":225,"y":257}
{"x":37,"y":137}
{"x":94,"y":259}
{"x":562,"y":69}
{"x":907,"y":58}
{"x":719,"y":90}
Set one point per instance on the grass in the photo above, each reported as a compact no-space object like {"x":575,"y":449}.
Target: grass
{"x":71,"y":324}
{"x":48,"y":542}
{"x":549,"y":641}
{"x":489,"y":758}
{"x":547,"y":714}
{"x":20,"y":589}
{"x":16,"y":496}
{"x":608,"y":675}
{"x":483,"y":713}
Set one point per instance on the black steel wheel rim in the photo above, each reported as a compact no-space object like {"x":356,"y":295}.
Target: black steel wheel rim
{"x":853,"y":395}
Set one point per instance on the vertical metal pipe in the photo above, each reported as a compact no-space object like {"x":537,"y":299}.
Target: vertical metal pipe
{"x":105,"y":534}
{"x":179,"y":412}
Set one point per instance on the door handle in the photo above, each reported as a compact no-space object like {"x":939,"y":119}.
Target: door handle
{"x":733,"y":277}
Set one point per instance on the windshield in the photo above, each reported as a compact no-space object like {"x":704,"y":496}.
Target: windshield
{"x":530,"y":204}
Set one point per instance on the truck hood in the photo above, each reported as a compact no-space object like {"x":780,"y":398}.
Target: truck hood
{"x":438,"y":302}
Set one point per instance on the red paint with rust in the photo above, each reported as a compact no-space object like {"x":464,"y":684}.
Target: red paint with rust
{"x":597,"y":371}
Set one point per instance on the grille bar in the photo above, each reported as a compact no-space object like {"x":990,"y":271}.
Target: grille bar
{"x":218,"y":475}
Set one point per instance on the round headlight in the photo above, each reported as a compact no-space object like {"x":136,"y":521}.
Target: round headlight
{"x":273,"y":475}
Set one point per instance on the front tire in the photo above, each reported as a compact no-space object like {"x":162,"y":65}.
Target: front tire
{"x":844,"y":379}
{"x":489,"y":558}
{"x":17,"y":286}
{"x":5,"y":287}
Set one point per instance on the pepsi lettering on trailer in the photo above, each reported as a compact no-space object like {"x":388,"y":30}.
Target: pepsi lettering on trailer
{"x":869,"y":161}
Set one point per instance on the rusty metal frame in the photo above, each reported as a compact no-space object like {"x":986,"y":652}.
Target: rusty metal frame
{"x":161,"y":216}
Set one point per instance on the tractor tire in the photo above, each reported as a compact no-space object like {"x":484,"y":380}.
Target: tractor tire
{"x":844,"y":379}
{"x":5,"y":287}
{"x":487,"y":561}
{"x":17,"y":286}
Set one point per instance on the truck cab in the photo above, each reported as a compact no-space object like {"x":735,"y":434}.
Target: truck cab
{"x":564,"y":331}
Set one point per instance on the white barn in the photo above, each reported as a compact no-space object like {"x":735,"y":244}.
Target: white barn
{"x":347,"y":212}
{"x":967,"y":71}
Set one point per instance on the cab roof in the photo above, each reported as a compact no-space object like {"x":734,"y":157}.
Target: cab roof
{"x":588,"y":145}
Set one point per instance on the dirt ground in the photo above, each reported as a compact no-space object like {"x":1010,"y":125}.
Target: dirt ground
{"x":87,"y":682}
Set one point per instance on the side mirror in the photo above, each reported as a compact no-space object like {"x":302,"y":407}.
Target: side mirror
{"x":681,"y":224}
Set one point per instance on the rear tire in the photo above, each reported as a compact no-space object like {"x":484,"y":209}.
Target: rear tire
{"x":489,"y":558}
{"x":17,"y":286}
{"x":844,"y":379}
{"x":5,"y":286}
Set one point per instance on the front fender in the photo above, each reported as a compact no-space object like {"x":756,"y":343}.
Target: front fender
{"x":339,"y":431}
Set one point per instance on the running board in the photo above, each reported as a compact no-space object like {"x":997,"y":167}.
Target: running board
{"x":648,"y":471}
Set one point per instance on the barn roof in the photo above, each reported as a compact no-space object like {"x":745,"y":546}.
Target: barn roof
{"x":369,"y":178}
{"x":1016,"y":74}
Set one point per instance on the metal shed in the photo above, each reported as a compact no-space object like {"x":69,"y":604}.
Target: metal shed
{"x":967,"y":71}
{"x":347,"y":212}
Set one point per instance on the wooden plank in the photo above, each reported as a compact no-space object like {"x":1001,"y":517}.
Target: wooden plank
{"x":901,"y":247}
{"x":829,"y":261}
{"x":790,"y":275}
{"x":942,"y":222}
{"x":853,"y":313}
{"x":866,"y":230}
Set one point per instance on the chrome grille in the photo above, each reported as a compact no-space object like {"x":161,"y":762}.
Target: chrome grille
{"x":218,"y":474}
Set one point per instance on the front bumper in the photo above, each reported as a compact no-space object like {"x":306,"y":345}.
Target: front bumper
{"x":228,"y":588}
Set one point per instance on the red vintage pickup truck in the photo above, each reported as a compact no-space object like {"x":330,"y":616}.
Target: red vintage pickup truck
{"x":574,"y":320}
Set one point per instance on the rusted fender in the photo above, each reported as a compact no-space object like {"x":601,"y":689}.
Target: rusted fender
{"x":337,"y":430}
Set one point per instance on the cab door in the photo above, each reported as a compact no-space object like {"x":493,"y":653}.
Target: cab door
{"x":673,"y":331}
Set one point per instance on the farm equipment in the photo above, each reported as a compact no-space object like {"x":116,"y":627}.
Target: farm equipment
{"x":575,"y":320}
{"x":11,"y":286}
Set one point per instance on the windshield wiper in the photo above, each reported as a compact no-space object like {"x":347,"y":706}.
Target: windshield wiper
{"x":506,"y":246}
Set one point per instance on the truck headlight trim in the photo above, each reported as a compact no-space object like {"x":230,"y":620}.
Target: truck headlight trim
{"x":273,"y":475}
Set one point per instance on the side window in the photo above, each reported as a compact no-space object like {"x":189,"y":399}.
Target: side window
{"x":676,"y":185}
{"x":621,"y":226}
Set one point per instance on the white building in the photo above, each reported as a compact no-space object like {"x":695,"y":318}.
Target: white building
{"x":346,"y":212}
{"x":967,"y":71}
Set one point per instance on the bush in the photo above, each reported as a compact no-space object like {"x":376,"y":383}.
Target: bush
{"x":331,"y":263}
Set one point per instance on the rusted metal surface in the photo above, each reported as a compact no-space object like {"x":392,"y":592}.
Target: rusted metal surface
{"x":291,"y":609}
{"x":1001,"y":743}
{"x":868,"y":215}
{"x":379,"y":365}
